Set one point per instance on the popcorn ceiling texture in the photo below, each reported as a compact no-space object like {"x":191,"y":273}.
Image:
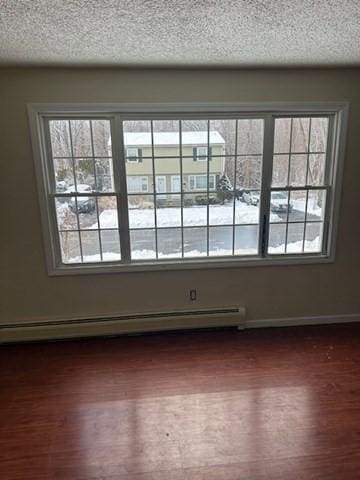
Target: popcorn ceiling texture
{"x":180,"y":32}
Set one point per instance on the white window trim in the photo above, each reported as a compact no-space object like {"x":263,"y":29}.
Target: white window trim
{"x":37,"y":112}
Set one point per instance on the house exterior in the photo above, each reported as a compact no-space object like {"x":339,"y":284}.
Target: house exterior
{"x":159,"y":160}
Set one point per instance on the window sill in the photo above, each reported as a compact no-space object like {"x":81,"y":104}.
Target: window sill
{"x":191,"y":264}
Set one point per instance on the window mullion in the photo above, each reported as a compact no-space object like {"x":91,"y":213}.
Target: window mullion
{"x":266,"y":174}
{"x":329,"y":181}
{"x":119,"y":167}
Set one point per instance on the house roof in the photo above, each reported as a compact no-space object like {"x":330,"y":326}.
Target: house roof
{"x":172,"y":138}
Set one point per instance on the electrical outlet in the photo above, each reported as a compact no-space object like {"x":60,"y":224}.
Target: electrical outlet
{"x":193,"y":295}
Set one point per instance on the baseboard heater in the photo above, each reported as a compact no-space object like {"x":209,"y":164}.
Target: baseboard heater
{"x":121,"y":324}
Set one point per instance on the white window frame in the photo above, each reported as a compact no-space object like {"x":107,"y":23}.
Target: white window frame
{"x":338,"y":111}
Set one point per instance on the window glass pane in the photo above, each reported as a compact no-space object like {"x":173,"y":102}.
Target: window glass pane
{"x":138,"y":183}
{"x":246,"y":240}
{"x":85,"y":174}
{"x":279,"y":206}
{"x":141,"y":211}
{"x":104,"y":175}
{"x":87,"y":213}
{"x":162,"y":185}
{"x":137,"y":134}
{"x":195,"y":242}
{"x":247,"y":207}
{"x":298,"y":164}
{"x":175,"y":183}
{"x":81,"y":138}
{"x":101,"y":138}
{"x":250,"y":136}
{"x":70,"y":247}
{"x":313,"y":237}
{"x":295,"y":237}
{"x":248,"y":173}
{"x":282,"y":135}
{"x":110,"y":245}
{"x":199,"y":183}
{"x":90,"y":246}
{"x":222,"y":214}
{"x":280,"y":170}
{"x":167,"y":177}
{"x":66,"y":216}
{"x":64,"y":174}
{"x":142,"y":244}
{"x":223,"y":132}
{"x":277,"y":238}
{"x":166,"y":138}
{"x":168,"y":211}
{"x":60,"y":138}
{"x":316,"y":171}
{"x":133,"y":154}
{"x":108,"y":213}
{"x":316,"y":205}
{"x":169,"y":242}
{"x":319,"y":134}
{"x":220,"y":241}
{"x":194,"y":213}
{"x":297,"y":206}
{"x":300,"y":135}
{"x":195,"y":134}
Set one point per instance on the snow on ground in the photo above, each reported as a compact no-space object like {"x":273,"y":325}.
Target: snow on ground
{"x":146,"y":254}
{"x":192,"y":216}
{"x":312,"y":207}
{"x":310,"y":246}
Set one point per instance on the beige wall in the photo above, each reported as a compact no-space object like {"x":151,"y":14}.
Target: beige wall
{"x":165,"y":165}
{"x":28,"y":293}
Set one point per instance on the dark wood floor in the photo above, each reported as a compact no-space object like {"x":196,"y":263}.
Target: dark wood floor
{"x":258,"y":404}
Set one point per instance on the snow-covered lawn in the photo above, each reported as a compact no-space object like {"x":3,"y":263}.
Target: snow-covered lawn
{"x":312,"y":207}
{"x":147,"y":254}
{"x":310,"y":246}
{"x":192,"y":216}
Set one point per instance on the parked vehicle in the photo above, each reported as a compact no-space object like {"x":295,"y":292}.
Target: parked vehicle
{"x":280,"y":203}
{"x":251,"y":198}
{"x":61,"y":186}
{"x":84,"y":204}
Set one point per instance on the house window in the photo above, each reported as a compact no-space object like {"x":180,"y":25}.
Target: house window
{"x":200,"y":182}
{"x":269,"y":195}
{"x":201,"y":154}
{"x":134,"y":155}
{"x":136,"y":184}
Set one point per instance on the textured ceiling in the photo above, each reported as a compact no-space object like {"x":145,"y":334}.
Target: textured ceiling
{"x":180,"y":32}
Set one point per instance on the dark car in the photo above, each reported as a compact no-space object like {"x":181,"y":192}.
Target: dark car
{"x":84,"y":204}
{"x":280,"y":203}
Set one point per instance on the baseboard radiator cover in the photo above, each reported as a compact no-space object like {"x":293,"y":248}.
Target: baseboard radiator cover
{"x":156,"y":321}
{"x":122,"y":324}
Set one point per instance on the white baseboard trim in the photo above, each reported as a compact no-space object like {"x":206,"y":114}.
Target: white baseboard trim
{"x":110,"y":326}
{"x":302,"y":321}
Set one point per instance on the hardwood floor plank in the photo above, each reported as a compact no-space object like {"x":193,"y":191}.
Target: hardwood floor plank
{"x":261,"y":404}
